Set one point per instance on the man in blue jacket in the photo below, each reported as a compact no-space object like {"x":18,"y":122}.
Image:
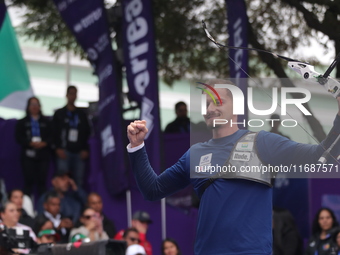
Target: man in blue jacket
{"x":235,"y":214}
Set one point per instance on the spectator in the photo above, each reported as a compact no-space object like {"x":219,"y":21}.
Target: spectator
{"x":95,"y":202}
{"x":71,"y":131}
{"x":275,"y":124}
{"x":92,"y":226}
{"x":135,"y":249}
{"x":46,"y":232}
{"x":140,"y":221}
{"x":324,"y":225}
{"x":72,"y":197}
{"x":131,"y":236}
{"x":336,"y":241}
{"x":286,"y":237}
{"x":170,"y":247}
{"x":10,"y":218}
{"x":62,"y":224}
{"x":33,"y":133}
{"x":16,"y":196}
{"x":182,"y":123}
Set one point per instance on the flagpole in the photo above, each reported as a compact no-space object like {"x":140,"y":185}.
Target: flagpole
{"x":68,"y":69}
{"x":128,"y":207}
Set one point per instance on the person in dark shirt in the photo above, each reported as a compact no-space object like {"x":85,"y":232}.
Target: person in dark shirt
{"x":73,"y":198}
{"x":324,"y":226}
{"x":52,"y":212}
{"x":95,"y":202}
{"x":71,"y":131}
{"x":33,"y":133}
{"x":182,"y":123}
{"x":16,"y":196}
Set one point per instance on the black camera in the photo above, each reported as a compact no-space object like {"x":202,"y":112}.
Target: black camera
{"x":16,"y":238}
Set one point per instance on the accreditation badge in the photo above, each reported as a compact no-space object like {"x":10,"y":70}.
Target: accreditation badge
{"x":73,"y":135}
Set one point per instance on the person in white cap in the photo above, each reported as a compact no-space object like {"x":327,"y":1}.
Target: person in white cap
{"x":135,"y":249}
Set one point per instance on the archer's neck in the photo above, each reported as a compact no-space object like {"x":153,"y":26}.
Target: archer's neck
{"x":225,"y":131}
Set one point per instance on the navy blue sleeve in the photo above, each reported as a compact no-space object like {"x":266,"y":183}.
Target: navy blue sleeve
{"x":275,"y":149}
{"x":154,"y":187}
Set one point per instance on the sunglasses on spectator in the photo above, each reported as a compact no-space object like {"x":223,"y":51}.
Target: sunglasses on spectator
{"x":134,"y":239}
{"x":88,"y":216}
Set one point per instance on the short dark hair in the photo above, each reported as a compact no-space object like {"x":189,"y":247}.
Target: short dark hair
{"x":4,"y":206}
{"x":50,"y":194}
{"x":71,"y":87}
{"x":179,"y":104}
{"x":128,"y":230}
{"x":10,"y":194}
{"x":28,"y":105}
{"x":316,"y":226}
{"x":171,"y":241}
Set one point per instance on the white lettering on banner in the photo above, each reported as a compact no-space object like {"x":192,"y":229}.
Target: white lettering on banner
{"x":88,"y":20}
{"x":108,"y":141}
{"x":147,"y":106}
{"x":137,"y":30}
{"x":105,"y":73}
{"x":102,"y":42}
{"x":239,"y":53}
{"x":92,"y":54}
{"x":135,"y":51}
{"x":62,"y":6}
{"x":133,"y":9}
{"x":106,"y":102}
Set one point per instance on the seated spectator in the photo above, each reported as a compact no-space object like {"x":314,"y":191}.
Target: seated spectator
{"x":72,"y":197}
{"x":336,"y":241}
{"x":10,"y":218}
{"x":62,"y":224}
{"x":135,"y":249}
{"x":140,"y":221}
{"x":34,"y":134}
{"x":324,"y":225}
{"x":16,"y":196}
{"x":170,"y":247}
{"x":46,"y":233}
{"x":182,"y":123}
{"x":92,"y":226}
{"x":95,"y":202}
{"x":131,"y":236}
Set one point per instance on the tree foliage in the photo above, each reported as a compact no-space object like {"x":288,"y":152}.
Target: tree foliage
{"x":280,"y":26}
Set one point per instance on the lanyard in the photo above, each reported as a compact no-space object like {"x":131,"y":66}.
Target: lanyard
{"x":73,"y":119}
{"x":35,"y":128}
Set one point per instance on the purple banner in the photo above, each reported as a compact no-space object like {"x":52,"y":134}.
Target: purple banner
{"x":2,"y":12}
{"x":87,"y":21}
{"x":238,"y":37}
{"x":141,"y":68}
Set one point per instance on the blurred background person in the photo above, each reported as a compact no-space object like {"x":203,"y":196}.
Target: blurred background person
{"x":92,"y":226}
{"x":182,"y":122}
{"x":34,"y":134}
{"x":135,"y":249}
{"x":170,"y":247}
{"x":131,"y":236}
{"x":61,"y":223}
{"x":324,"y":225}
{"x":10,"y":218}
{"x":286,"y":236}
{"x":72,"y":197}
{"x":16,"y":196}
{"x":95,"y":202}
{"x":140,"y":221}
{"x":71,"y":131}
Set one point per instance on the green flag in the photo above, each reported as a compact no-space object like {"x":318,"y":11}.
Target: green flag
{"x":15,"y":86}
